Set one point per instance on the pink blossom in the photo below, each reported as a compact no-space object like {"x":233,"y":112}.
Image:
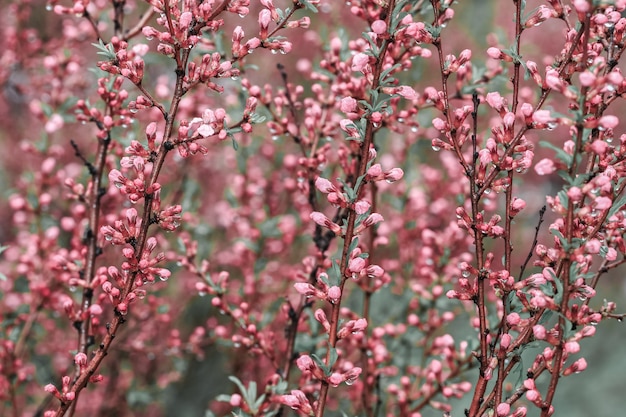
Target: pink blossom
{"x":602,"y":203}
{"x":575,"y":194}
{"x":379,"y":27}
{"x":513,"y":319}
{"x":572,"y":347}
{"x":545,"y":167}
{"x":335,"y":379}
{"x":581,"y":6}
{"x":609,"y":122}
{"x":542,"y":116}
{"x":407,"y":92}
{"x":324,"y":185}
{"x":503,"y":409}
{"x":362,"y":206}
{"x":348,"y":105}
{"x":334,"y":294}
{"x":360,"y":61}
{"x":494,"y":53}
{"x":539,"y":332}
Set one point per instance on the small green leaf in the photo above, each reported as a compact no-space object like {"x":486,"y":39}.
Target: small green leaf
{"x":320,"y":363}
{"x":333,"y":356}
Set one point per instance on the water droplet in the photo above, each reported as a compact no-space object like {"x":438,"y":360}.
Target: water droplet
{"x":609,"y":139}
{"x":163,"y":278}
{"x":234,"y":78}
{"x":108,"y":238}
{"x":237,"y":344}
{"x":73,"y":288}
{"x":274,"y":51}
{"x":283,"y":52}
{"x":133,"y":110}
{"x":609,"y":25}
{"x":149,"y":38}
{"x":620,"y":319}
{"x":83,"y":122}
{"x":552,"y":125}
{"x":275,"y":137}
{"x":488,"y":191}
{"x":436,"y":148}
{"x":241,"y":15}
{"x":202,"y":293}
{"x":390,"y":181}
{"x":414,"y":129}
{"x":519,"y":170}
{"x":465,"y":274}
{"x":375,"y":124}
{"x":400,"y":120}
{"x":49,"y":7}
{"x":350,"y":381}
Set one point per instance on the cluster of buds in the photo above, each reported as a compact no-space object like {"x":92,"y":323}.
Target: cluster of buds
{"x":122,"y":61}
{"x":322,"y":291}
{"x":135,"y":189}
{"x":309,"y":367}
{"x":211,"y":66}
{"x":298,"y":401}
{"x":359,"y":267}
{"x":145,"y":268}
{"x":114,"y":97}
{"x":240,"y":50}
{"x":122,"y":232}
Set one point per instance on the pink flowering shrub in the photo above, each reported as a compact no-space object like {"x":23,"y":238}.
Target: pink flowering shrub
{"x":306,"y":207}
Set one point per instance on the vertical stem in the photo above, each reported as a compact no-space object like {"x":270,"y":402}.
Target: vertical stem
{"x":362,"y":168}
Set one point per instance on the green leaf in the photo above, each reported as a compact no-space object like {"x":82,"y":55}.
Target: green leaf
{"x":308,"y":5}
{"x":105,"y":50}
{"x":320,"y":363}
{"x":239,"y":384}
{"x":560,"y":153}
{"x":617,"y":206}
{"x":224,"y":398}
{"x":333,"y":356}
{"x":353,"y":245}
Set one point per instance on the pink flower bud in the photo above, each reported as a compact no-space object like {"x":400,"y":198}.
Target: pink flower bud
{"x":539,"y":332}
{"x":361,"y":206}
{"x":348,"y":105}
{"x":379,"y":27}
{"x":334,"y":294}
{"x":335,"y":379}
{"x":394,"y":175}
{"x":608,"y":122}
{"x":80,"y":359}
{"x":602,"y":203}
{"x":503,"y":409}
{"x":545,"y":167}
{"x":513,"y":319}
{"x":360,"y":61}
{"x":356,"y":264}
